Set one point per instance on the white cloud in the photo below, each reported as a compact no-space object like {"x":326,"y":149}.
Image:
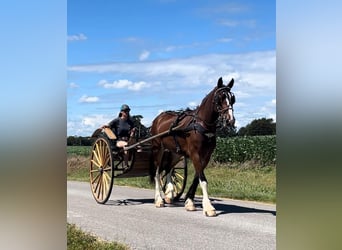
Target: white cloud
{"x":227,"y":8}
{"x":234,"y":23}
{"x":87,"y":124}
{"x":144,"y":55}
{"x":94,"y":121}
{"x":193,"y":104}
{"x":170,"y":48}
{"x":228,"y":23}
{"x":254,"y":69}
{"x":225,"y":40}
{"x":73,"y":85}
{"x":88,"y":99}
{"x":173,"y":82}
{"x":269,"y":109}
{"x":79,"y":37}
{"x":121,"y":84}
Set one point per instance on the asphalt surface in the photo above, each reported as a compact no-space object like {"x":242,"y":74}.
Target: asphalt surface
{"x":130,"y":217}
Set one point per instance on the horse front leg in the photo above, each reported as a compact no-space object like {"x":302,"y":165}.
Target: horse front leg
{"x":158,"y":200}
{"x":208,"y":208}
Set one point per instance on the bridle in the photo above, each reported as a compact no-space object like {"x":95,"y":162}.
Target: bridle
{"x":217,"y":103}
{"x":218,"y":100}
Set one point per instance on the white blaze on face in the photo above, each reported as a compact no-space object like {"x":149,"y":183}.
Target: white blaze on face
{"x":230,"y":109}
{"x":230,"y":112}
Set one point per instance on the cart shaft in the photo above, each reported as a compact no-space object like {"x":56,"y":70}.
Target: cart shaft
{"x":151,"y":138}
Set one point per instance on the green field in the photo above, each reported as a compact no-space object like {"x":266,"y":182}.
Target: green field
{"x":248,"y":180}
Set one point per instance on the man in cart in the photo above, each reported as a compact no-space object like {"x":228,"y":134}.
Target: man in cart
{"x":123,"y":128}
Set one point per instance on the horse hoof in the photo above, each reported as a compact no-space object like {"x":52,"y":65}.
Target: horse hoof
{"x":160,"y":204}
{"x":210,"y":213}
{"x":189,"y":205}
{"x":190,"y":208}
{"x":168,"y":200}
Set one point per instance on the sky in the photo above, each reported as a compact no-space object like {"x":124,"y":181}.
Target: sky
{"x":158,"y":55}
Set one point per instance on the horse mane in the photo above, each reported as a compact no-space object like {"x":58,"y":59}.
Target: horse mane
{"x":205,"y":99}
{"x":177,"y":112}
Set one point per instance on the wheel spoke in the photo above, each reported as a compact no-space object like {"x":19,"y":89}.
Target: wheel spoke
{"x":98,"y":183}
{"x":96,"y":163}
{"x":98,"y":192}
{"x":107,"y":169}
{"x":179,"y":176}
{"x":106,"y":161}
{"x":96,"y":178}
{"x":102,"y":152}
{"x":96,"y":153}
{"x":105,"y":185}
{"x":95,"y":170}
{"x":108,"y":177}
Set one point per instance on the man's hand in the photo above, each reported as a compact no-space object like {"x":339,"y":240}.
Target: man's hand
{"x":132,"y":132}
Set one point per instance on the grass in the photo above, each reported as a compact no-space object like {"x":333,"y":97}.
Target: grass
{"x":244,"y":183}
{"x":240,"y":181}
{"x":79,"y":240}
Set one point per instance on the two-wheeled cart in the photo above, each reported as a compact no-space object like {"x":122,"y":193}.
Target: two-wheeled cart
{"x":109,"y":162}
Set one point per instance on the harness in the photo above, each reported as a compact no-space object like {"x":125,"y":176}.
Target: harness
{"x":193,"y":125}
{"x":196,"y":123}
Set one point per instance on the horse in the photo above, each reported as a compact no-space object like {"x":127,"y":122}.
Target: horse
{"x":191,"y":134}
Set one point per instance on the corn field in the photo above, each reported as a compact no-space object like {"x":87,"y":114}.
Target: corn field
{"x":258,"y":149}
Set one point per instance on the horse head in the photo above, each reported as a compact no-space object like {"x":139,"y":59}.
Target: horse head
{"x":224,"y":100}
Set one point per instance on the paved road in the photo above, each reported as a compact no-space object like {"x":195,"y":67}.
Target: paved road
{"x":131,"y":218}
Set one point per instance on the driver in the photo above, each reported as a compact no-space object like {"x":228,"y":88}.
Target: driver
{"x":122,"y":126}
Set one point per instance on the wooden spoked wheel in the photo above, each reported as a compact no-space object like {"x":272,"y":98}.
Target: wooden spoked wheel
{"x":179,"y":175}
{"x":101,"y":170}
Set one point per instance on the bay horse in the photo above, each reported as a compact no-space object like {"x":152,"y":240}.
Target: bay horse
{"x":195,"y":138}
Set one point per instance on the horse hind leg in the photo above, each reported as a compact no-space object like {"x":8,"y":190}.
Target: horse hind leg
{"x":169,"y":192}
{"x":189,"y":198}
{"x":167,"y":163}
{"x":158,"y":200}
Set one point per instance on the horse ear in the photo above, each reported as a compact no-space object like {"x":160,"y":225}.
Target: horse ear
{"x":231,"y":83}
{"x":220,"y":83}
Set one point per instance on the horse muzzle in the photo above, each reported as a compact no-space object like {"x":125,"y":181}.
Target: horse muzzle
{"x":231,"y":122}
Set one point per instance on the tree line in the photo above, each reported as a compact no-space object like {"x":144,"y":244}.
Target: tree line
{"x":262,"y":126}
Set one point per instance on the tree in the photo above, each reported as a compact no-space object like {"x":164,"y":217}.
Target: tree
{"x":261,"y":126}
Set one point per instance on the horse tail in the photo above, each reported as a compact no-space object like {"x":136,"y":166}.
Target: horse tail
{"x":152,"y":169}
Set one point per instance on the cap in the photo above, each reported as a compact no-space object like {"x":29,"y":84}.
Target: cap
{"x":125,"y":107}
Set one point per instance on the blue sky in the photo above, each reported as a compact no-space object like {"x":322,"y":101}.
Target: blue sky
{"x":158,"y":55}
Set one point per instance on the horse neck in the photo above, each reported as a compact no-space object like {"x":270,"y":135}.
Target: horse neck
{"x":206,"y":113}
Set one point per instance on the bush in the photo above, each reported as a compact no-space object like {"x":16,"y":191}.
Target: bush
{"x":259,"y":149}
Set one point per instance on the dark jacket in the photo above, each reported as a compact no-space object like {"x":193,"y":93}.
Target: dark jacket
{"x":121,"y":128}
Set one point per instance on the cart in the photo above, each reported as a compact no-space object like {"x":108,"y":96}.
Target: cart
{"x":108,"y":163}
